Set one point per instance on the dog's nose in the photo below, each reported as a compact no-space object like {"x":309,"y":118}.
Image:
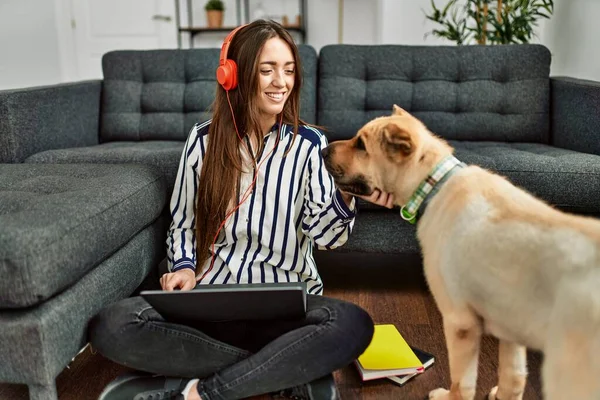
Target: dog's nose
{"x":325,"y":152}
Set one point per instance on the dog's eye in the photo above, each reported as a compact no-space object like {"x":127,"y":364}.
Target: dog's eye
{"x":360,"y":145}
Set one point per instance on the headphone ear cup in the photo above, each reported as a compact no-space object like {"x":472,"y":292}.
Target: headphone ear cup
{"x":227,"y":75}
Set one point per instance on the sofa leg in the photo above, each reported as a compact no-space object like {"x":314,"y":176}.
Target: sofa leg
{"x":43,"y":392}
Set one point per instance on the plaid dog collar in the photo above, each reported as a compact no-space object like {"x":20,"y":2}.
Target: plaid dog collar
{"x":443,"y":170}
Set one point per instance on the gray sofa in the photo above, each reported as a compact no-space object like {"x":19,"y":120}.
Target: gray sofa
{"x":496,"y":105}
{"x":87,"y":168}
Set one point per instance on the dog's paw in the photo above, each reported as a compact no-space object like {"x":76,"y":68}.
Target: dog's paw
{"x":493,"y":392}
{"x":439,"y":394}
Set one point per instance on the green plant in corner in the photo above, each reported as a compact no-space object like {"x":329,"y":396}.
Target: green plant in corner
{"x":216,"y":5}
{"x":489,"y":21}
{"x":454,"y":26}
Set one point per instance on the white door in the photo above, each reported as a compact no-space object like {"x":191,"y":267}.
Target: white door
{"x":99,"y":26}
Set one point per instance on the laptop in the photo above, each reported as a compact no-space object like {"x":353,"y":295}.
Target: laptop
{"x":231,"y":302}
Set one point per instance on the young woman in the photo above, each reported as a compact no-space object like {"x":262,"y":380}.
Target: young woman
{"x":251,"y":200}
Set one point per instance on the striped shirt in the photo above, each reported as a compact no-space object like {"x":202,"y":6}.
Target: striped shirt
{"x":293,"y":206}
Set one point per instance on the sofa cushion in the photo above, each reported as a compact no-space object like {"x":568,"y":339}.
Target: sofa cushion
{"x":163,"y":155}
{"x":60,"y":221}
{"x":566,"y":179}
{"x":161,"y":94}
{"x":381,"y":232}
{"x":461,"y":92}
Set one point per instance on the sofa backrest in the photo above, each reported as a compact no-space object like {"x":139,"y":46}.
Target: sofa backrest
{"x":161,"y":94}
{"x":460,"y":92}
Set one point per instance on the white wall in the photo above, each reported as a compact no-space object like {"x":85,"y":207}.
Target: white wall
{"x":36,"y":43}
{"x":359,"y":20}
{"x":572,"y":36}
{"x":404,"y":22}
{"x":29,"y":51}
{"x":359,"y":25}
{"x":30,"y":46}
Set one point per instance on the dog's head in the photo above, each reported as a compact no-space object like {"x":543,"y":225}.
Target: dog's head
{"x":393,"y":154}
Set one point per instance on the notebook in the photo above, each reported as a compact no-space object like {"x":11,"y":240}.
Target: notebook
{"x":426,"y":358}
{"x":230,"y":302}
{"x":388,"y":354}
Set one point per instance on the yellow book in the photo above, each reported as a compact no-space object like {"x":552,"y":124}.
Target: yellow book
{"x":388,"y":354}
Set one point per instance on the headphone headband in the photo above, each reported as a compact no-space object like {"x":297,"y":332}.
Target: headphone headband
{"x":226,"y":43}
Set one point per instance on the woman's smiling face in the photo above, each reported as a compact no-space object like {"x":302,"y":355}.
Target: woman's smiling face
{"x":276,"y":77}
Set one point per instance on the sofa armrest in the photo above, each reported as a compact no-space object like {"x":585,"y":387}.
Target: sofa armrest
{"x":48,"y":117}
{"x":575,"y":116}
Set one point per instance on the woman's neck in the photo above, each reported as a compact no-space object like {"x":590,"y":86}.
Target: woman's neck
{"x":267,"y":123}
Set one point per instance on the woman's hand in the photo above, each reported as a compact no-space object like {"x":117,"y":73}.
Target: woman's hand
{"x":184,"y":279}
{"x":380,"y":198}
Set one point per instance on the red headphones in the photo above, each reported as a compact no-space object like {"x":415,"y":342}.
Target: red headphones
{"x":227,"y":70}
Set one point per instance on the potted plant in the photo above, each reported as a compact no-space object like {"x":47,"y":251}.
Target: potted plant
{"x":489,"y":21}
{"x":214,"y":13}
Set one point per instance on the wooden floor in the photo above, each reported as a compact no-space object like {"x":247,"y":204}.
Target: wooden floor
{"x":391,"y":292}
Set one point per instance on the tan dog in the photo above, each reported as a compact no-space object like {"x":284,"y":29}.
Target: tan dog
{"x":496,"y":259}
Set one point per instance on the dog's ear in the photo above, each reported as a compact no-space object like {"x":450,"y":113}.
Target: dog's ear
{"x":397,"y":110}
{"x":397,"y":140}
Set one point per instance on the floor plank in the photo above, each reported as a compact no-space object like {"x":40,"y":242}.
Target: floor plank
{"x":392,"y":290}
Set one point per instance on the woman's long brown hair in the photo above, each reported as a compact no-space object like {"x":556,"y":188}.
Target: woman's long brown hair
{"x":222,"y":165}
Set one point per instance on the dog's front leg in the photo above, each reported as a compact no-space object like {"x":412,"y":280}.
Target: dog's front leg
{"x":463,"y":337}
{"x":512,"y":372}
